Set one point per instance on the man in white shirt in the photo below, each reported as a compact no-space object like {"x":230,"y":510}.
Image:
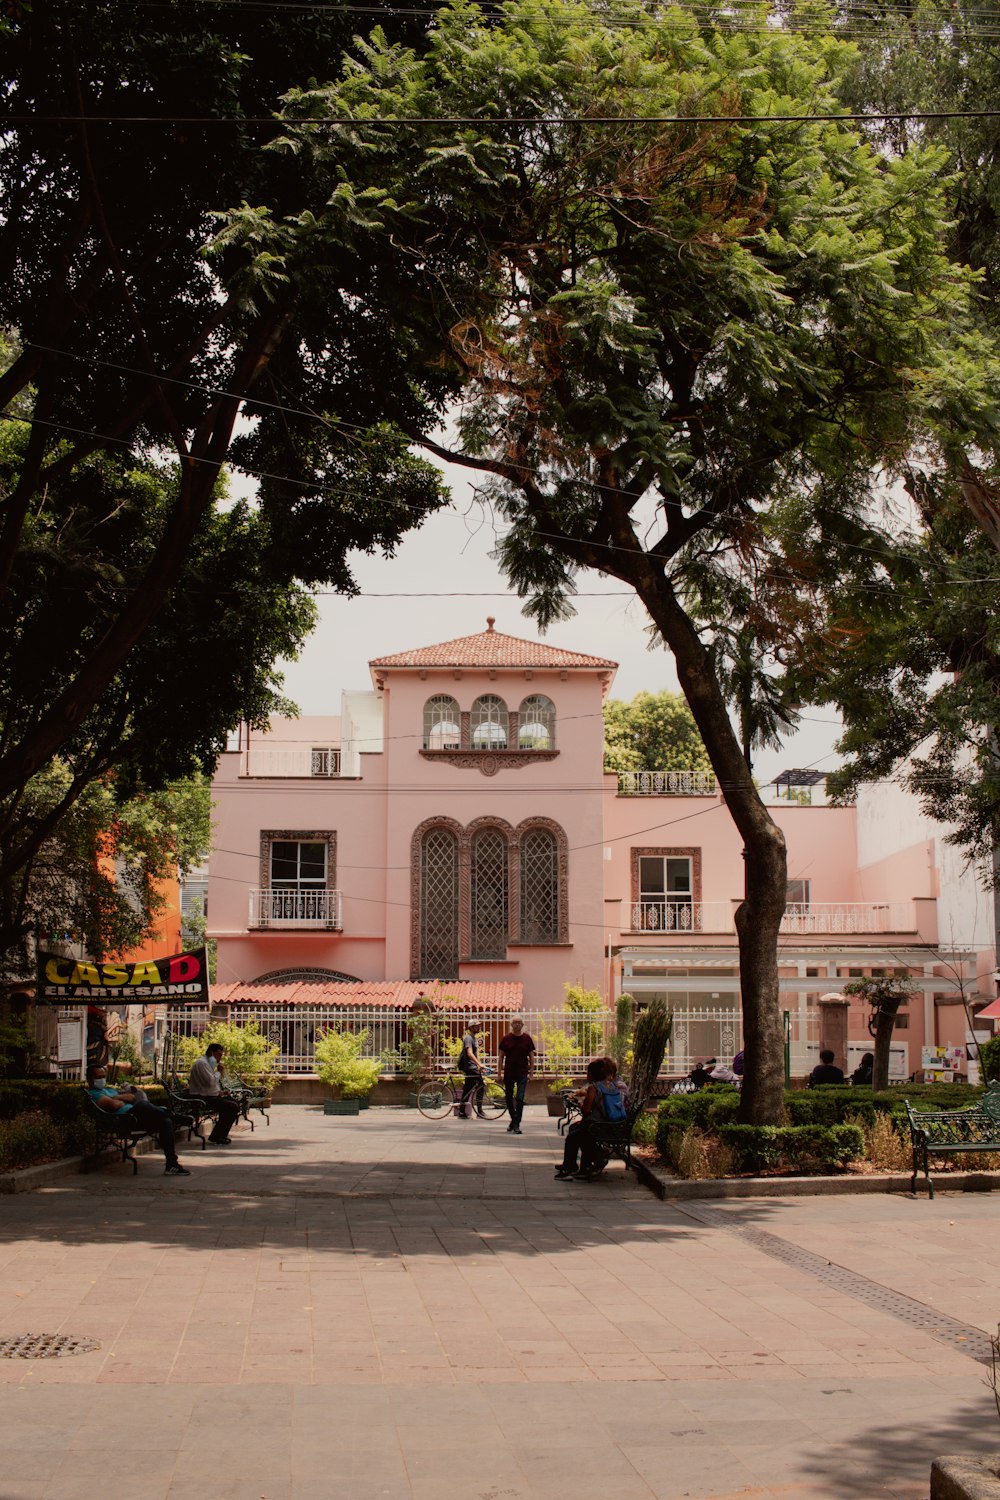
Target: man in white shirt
{"x":204,"y":1080}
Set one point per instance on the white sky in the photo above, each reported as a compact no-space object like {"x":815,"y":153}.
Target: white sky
{"x":446,"y":563}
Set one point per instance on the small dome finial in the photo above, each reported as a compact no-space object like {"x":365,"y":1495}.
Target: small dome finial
{"x":490,"y":621}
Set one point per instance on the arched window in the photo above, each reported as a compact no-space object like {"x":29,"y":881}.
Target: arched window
{"x":489,"y":894}
{"x":442,"y":723}
{"x":537,"y":724}
{"x":539,"y":887}
{"x":439,"y":904}
{"x":489,"y":723}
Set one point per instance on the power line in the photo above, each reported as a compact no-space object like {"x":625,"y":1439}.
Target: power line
{"x":502,"y":122}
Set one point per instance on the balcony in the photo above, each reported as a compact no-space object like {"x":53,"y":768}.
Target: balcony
{"x":299,"y":909}
{"x":667,"y":784}
{"x":840,"y":918}
{"x":293,"y":761}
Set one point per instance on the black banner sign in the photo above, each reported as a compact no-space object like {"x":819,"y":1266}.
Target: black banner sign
{"x":181,"y":978}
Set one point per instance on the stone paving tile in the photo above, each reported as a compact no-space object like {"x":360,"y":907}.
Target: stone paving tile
{"x":340,"y":1340}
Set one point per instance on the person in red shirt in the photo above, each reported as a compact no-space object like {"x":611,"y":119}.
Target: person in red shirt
{"x":515,"y":1052}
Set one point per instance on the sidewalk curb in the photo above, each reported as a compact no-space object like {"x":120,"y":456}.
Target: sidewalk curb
{"x":26,"y":1179}
{"x":667,"y":1187}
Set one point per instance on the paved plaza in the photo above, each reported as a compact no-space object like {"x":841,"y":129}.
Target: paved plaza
{"x":397,"y":1308}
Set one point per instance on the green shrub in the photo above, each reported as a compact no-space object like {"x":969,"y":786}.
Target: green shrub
{"x":248,"y":1053}
{"x":829,"y":1106}
{"x":33,"y":1137}
{"x":340,"y":1064}
{"x":989,"y":1056}
{"x":644,"y":1131}
{"x":755,"y":1148}
{"x":809,"y":1148}
{"x":588,"y":1021}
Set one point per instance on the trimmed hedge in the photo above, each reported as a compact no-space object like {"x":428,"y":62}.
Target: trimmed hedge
{"x":822,"y":1111}
{"x":809,"y":1148}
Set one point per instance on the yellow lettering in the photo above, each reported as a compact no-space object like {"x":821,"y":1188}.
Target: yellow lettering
{"x":114,"y":974}
{"x":84,"y":974}
{"x":54,"y":971}
{"x":145,"y":974}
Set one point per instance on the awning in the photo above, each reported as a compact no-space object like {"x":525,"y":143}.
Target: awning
{"x":400,"y":994}
{"x":991,"y":1013}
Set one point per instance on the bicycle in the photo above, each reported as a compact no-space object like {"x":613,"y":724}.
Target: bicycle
{"x":439,"y":1097}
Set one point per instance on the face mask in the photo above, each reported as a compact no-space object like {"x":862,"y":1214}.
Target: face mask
{"x":100,"y":1080}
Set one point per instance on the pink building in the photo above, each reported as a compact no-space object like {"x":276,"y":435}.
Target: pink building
{"x":455,"y":824}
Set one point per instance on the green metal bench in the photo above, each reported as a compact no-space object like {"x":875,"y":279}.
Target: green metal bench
{"x":611,"y":1138}
{"x":951,"y":1132}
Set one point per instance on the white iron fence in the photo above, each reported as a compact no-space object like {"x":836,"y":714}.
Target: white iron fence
{"x":667,"y":784}
{"x":717,"y":916}
{"x":295,"y":908}
{"x":297,"y":1028}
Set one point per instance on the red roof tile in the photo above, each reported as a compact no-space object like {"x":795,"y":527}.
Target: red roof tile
{"x":491,"y":648}
{"x":397,"y":994}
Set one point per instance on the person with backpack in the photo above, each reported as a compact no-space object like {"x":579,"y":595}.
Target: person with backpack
{"x":602,"y":1101}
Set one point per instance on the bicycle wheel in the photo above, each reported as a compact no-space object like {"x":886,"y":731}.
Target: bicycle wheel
{"x":494,"y":1102}
{"x":435,"y":1099}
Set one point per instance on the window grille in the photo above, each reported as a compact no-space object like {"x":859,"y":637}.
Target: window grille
{"x":489,"y":723}
{"x":539,"y":887}
{"x":489,"y":894}
{"x":537,"y":723}
{"x":325,"y":761}
{"x":439,"y":905}
{"x":442,"y":723}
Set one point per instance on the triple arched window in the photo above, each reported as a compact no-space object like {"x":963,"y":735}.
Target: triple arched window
{"x":489,"y":724}
{"x":477,"y":890}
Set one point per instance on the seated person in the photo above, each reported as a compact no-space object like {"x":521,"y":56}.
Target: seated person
{"x":701,"y":1073}
{"x":864,"y":1071}
{"x":739,"y":1063}
{"x":824,"y":1071}
{"x":205,"y":1082}
{"x":601,"y":1100}
{"x":133,"y":1102}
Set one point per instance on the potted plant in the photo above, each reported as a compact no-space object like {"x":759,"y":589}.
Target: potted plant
{"x":351,"y":1076}
{"x":418,"y":1049}
{"x":557,"y":1049}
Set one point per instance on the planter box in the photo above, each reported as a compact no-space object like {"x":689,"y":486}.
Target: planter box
{"x":364,"y":1103}
{"x":554,"y":1104}
{"x":341,"y":1106}
{"x":965,"y":1478}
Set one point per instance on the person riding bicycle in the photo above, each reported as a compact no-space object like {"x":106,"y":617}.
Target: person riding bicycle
{"x":469,"y":1064}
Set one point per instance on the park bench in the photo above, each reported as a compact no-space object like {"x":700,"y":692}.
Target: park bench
{"x":198,"y":1106}
{"x":249,"y":1096}
{"x":607,"y":1139}
{"x":117,"y":1130}
{"x":950,"y":1132}
{"x":122,"y":1130}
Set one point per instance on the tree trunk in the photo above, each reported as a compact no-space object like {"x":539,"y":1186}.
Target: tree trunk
{"x":884,"y":1027}
{"x":758,"y":918}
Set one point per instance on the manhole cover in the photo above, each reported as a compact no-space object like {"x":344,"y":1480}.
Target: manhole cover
{"x":45,"y":1346}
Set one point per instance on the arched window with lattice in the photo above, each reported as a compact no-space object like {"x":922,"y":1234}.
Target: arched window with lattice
{"x":489,"y":904}
{"x":539,"y":887}
{"x":489,"y":723}
{"x":537,"y":723}
{"x":439,"y":904}
{"x":442,"y":723}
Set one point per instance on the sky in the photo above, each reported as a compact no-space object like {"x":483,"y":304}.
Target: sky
{"x":442,"y":583}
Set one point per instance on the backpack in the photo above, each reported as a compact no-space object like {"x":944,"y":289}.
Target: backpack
{"x":612,"y":1103}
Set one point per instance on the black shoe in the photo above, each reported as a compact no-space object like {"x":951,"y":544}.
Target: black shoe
{"x":219,"y":1140}
{"x":510,"y":1129}
{"x":584,"y":1176}
{"x":174,"y":1169}
{"x":517,"y":1130}
{"x":562,"y":1172}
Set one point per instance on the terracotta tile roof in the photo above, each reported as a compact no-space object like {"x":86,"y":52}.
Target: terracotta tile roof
{"x":397,"y":994}
{"x":491,"y":648}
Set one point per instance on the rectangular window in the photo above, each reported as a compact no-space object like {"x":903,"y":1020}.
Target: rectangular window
{"x":298,"y":881}
{"x":797,"y":893}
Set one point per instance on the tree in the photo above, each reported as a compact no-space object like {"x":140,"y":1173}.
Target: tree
{"x":673,"y":336}
{"x":883,"y":995}
{"x":653,"y":732}
{"x":97,"y":878}
{"x":180,"y":296}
